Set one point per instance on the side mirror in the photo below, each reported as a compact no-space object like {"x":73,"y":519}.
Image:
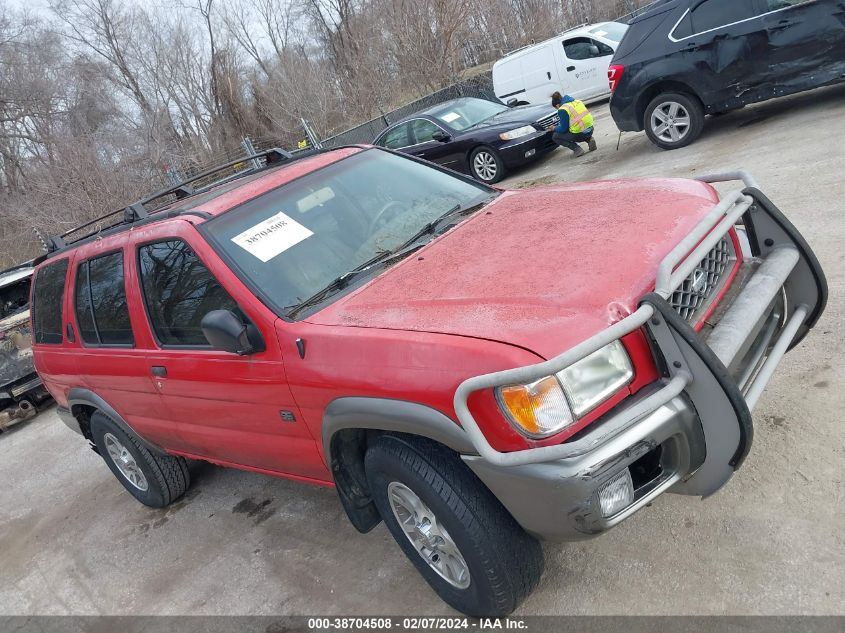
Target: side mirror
{"x":594,"y":50}
{"x":227,"y":333}
{"x":512,"y":103}
{"x":441,"y":137}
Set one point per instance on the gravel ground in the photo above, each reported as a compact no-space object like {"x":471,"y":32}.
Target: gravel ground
{"x":72,"y":541}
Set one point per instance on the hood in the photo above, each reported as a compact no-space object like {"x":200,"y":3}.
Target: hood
{"x":520,"y":115}
{"x":542,"y":269}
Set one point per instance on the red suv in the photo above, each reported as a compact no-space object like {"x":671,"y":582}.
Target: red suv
{"x":477,"y":368}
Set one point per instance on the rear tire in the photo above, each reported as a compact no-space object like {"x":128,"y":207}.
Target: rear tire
{"x":459,"y":537}
{"x":154,"y":480}
{"x":673,"y":120}
{"x":486,"y":165}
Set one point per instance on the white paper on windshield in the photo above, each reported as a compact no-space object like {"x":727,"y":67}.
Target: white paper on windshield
{"x":599,"y":33}
{"x":449,"y":117}
{"x":274,"y":235}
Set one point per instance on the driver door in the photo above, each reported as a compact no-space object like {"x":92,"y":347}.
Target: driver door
{"x":586,"y":67}
{"x":225,"y":408}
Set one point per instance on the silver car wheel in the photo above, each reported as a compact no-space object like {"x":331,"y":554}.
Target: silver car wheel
{"x":484,"y":164}
{"x":427,"y":535}
{"x":125,"y":463}
{"x":670,"y":122}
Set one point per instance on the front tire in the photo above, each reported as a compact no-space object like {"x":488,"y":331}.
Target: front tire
{"x":154,"y":480}
{"x":673,"y":120}
{"x":486,"y":165}
{"x":456,"y":533}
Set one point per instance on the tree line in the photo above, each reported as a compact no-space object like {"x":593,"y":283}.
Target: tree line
{"x":100,"y":98}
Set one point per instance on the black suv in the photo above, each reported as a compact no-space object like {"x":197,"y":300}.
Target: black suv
{"x":682,"y":59}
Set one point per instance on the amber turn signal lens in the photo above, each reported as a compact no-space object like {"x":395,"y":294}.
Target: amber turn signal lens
{"x":538,"y":409}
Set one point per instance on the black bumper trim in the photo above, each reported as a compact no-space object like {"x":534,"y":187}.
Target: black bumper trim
{"x":717,"y":368}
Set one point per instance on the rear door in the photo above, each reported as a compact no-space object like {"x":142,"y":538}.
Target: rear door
{"x":397,"y":138}
{"x":726,"y":46}
{"x":227,"y":408}
{"x":586,"y":62}
{"x":806,"y":42}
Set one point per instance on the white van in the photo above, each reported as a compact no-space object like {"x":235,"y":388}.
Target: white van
{"x":574,"y":62}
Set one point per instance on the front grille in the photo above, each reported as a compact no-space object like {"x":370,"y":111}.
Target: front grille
{"x":545,"y":122}
{"x":698,"y":290}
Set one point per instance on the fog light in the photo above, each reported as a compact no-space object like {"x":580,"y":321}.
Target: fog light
{"x":616,"y":494}
{"x":530,"y":153}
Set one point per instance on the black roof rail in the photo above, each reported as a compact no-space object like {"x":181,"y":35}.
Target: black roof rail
{"x":139,"y":210}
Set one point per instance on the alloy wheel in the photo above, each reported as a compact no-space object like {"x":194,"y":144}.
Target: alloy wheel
{"x":484,"y":164}
{"x":428,"y":536}
{"x":125,"y":463}
{"x":670,"y":122}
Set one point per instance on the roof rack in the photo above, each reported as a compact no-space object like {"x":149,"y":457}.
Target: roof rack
{"x":533,"y":42}
{"x":139,"y":210}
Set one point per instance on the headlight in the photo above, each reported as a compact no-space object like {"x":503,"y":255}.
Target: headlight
{"x":525,"y":130}
{"x":549,"y":405}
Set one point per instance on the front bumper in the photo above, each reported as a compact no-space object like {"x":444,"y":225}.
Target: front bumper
{"x":523,"y":150}
{"x":690,"y":431}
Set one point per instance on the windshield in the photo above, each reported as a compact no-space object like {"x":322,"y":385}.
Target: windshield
{"x":613,"y":31}
{"x":463,"y":114}
{"x":294,"y":241}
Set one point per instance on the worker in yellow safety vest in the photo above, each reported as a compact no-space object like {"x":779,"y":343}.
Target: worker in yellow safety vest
{"x":575,"y":124}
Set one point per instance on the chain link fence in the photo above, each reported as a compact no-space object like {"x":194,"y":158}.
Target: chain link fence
{"x":480,"y":86}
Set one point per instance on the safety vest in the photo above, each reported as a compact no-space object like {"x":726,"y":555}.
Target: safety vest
{"x":580,"y":119}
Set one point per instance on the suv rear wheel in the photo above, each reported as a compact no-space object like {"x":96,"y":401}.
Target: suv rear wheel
{"x":673,"y":120}
{"x":451,"y":527}
{"x":154,"y":480}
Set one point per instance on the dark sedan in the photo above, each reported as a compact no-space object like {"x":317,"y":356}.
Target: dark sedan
{"x":474,"y":136}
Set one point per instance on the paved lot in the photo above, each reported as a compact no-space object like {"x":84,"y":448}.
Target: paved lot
{"x":72,"y":541}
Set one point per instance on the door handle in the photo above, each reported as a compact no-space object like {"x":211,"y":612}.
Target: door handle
{"x":159,"y":371}
{"x":548,"y":74}
{"x":569,"y":69}
{"x":782,"y":25}
{"x":689,"y":47}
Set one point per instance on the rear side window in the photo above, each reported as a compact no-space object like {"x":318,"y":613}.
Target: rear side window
{"x":47,"y":301}
{"x":424,"y":131}
{"x":178,"y":292}
{"x":397,"y":137}
{"x":100,"y":302}
{"x":713,"y":14}
{"x":585,"y":48}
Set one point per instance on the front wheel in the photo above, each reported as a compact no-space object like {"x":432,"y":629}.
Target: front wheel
{"x":673,"y":120}
{"x":486,"y":165}
{"x":451,"y":527}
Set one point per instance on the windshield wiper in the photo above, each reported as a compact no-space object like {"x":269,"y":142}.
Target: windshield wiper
{"x":431,"y":226}
{"x":406,"y":248}
{"x":339,"y":283}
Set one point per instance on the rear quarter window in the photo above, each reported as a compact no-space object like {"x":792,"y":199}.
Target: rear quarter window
{"x":47,"y":298}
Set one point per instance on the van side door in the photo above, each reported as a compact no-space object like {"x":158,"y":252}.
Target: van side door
{"x":230,"y":409}
{"x":540,"y":73}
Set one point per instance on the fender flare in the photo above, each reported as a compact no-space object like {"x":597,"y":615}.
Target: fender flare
{"x":345,"y":458}
{"x":80,"y":397}
{"x":399,"y":416}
